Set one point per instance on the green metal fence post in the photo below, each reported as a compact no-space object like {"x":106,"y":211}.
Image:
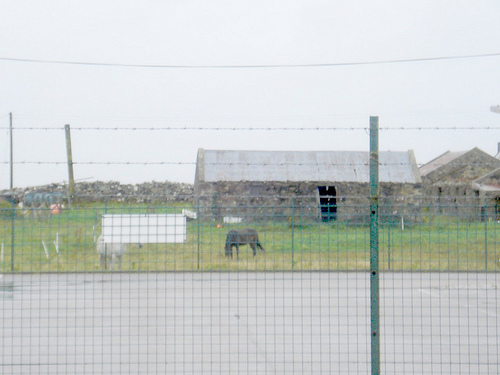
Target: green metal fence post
{"x":374,"y":247}
{"x":292,"y":224}
{"x":389,"y":246}
{"x":12,"y":233}
{"x":198,"y":218}
{"x":485,"y":238}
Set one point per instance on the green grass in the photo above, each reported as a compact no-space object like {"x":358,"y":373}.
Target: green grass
{"x":445,"y":244}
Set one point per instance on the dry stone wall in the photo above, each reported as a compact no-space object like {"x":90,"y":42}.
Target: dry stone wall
{"x":98,"y":191}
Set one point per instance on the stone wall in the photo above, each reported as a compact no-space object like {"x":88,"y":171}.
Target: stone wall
{"x":461,"y":200}
{"x":148,"y":192}
{"x":300,"y":201}
{"x":283,"y":201}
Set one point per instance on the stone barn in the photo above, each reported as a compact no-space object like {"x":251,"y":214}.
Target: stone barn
{"x":488,"y":188}
{"x":453,"y":168}
{"x":455,"y":183}
{"x":299,"y":186}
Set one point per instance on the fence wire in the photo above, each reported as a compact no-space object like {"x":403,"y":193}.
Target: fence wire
{"x":177,"y":287}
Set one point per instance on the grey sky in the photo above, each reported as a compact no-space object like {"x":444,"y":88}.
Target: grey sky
{"x":427,"y":94}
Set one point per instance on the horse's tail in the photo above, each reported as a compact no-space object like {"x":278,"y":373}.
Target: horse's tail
{"x":259,"y":245}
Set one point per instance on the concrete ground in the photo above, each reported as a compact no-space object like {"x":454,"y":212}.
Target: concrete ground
{"x":247,"y":323}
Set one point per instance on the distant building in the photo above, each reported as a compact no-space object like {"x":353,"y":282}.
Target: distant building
{"x":488,"y":187}
{"x":450,"y":183}
{"x":297,"y":185}
{"x":458,"y":167}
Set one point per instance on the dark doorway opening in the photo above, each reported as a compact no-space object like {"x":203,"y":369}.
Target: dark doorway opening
{"x":328,"y":202}
{"x":497,"y":209}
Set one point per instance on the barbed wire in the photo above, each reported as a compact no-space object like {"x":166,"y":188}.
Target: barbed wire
{"x":248,"y":164}
{"x":189,"y":128}
{"x":317,"y":128}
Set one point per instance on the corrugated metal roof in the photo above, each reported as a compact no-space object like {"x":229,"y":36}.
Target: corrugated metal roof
{"x":335,"y":166}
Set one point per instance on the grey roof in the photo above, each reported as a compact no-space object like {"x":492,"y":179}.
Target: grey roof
{"x":489,"y":182}
{"x":441,"y":160}
{"x":334,"y":166}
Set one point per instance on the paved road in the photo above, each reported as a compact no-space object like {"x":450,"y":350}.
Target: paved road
{"x":248,"y":323}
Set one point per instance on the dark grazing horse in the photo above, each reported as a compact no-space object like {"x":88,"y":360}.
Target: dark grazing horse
{"x":247,"y":236}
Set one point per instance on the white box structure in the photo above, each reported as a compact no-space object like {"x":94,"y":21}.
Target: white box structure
{"x":167,"y":228}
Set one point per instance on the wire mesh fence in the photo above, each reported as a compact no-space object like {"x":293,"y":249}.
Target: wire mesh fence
{"x":294,"y":235}
{"x":247,"y":271}
{"x":187,"y":292}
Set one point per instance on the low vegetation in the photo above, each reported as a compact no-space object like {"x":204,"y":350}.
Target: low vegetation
{"x":66,"y":242}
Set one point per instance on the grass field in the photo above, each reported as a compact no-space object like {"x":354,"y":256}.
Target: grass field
{"x":66,"y":243}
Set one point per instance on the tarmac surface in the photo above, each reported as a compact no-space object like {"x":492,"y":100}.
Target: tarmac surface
{"x":247,"y":323}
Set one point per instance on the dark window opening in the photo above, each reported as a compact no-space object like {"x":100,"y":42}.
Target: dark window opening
{"x":328,"y":203}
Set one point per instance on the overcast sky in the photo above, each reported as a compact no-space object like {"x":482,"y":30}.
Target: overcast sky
{"x":156,"y":65}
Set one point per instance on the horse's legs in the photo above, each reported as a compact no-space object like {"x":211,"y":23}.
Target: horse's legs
{"x":228,"y":250}
{"x":254,"y":248}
